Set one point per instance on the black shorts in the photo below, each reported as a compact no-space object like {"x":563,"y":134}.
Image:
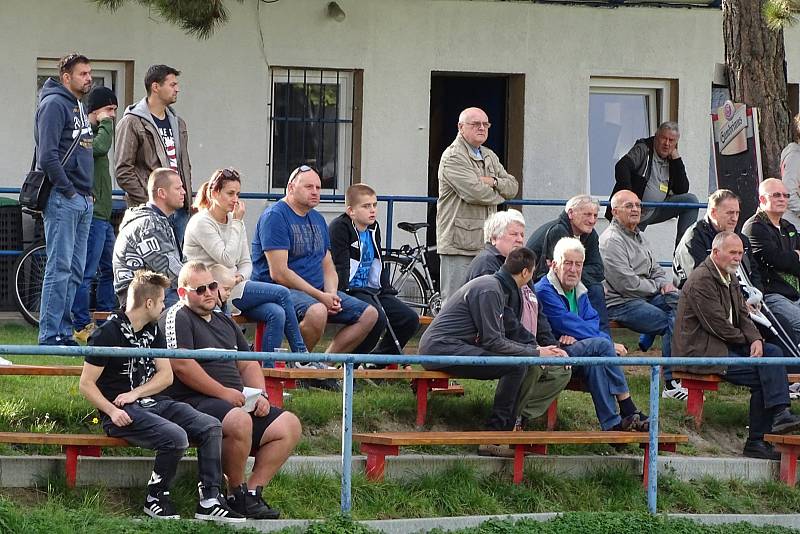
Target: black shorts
{"x":219,"y":408}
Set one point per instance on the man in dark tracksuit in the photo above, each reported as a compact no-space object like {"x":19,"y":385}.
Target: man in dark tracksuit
{"x":654,"y":170}
{"x":471,"y":324}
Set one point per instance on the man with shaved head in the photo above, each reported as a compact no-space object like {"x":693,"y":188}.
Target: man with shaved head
{"x":639,"y":294}
{"x":472,"y":182}
{"x":776,"y":248}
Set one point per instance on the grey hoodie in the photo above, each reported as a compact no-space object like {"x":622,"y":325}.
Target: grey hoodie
{"x":146,"y":241}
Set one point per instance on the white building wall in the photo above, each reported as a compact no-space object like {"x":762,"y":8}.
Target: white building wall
{"x":225,"y":80}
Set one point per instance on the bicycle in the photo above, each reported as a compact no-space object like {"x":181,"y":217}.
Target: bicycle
{"x":29,"y":274}
{"x":414,"y":288}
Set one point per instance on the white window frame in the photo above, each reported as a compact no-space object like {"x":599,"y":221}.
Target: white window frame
{"x":101,"y":70}
{"x":657,"y":91}
{"x":282,"y":75}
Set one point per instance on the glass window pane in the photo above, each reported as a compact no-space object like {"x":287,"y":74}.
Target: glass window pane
{"x":616,"y":121}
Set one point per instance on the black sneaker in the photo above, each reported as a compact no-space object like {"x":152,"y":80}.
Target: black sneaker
{"x":785,"y":422}
{"x":217,"y":509}
{"x":160,"y":506}
{"x":636,"y":422}
{"x":758,"y":448}
{"x":251,"y":506}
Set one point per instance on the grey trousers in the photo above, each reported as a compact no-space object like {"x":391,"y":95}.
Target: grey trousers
{"x":452,"y":273}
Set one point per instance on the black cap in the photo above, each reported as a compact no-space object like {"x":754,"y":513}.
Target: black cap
{"x":100,"y":97}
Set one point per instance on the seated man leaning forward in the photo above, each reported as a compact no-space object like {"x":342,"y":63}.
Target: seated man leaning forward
{"x":713,"y":321}
{"x":523,"y":318}
{"x":291,"y":247}
{"x":471,"y":324}
{"x":566,"y":303}
{"x":128,"y":393}
{"x":216,"y":387}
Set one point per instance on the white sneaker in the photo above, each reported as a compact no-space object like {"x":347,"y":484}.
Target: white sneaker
{"x":674,"y":390}
{"x":794,"y":391}
{"x":311,"y":365}
{"x":3,"y":361}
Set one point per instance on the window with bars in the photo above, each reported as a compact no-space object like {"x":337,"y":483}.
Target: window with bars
{"x":312,"y":122}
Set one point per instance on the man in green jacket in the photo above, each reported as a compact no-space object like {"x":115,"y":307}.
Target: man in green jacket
{"x":102,"y":108}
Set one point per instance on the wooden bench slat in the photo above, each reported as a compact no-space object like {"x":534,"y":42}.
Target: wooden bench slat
{"x":789,"y":439}
{"x":98,"y":440}
{"x":41,"y":370}
{"x":511,"y":438}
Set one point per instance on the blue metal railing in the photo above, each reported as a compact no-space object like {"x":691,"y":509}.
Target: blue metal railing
{"x":390,"y":202}
{"x":351,"y":360}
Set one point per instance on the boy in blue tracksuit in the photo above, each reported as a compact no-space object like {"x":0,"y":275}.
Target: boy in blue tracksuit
{"x":566,"y":304}
{"x":61,"y":119}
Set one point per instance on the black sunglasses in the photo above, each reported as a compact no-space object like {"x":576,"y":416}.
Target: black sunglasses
{"x":298,"y":170}
{"x":200,"y":290}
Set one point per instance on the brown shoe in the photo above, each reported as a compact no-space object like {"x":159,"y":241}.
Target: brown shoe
{"x":499,"y":451}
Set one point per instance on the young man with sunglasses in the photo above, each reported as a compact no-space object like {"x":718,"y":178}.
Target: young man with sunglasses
{"x":129,"y":393}
{"x":291,"y":247}
{"x":147,"y":237}
{"x":215,"y":387}
{"x":776,"y":248}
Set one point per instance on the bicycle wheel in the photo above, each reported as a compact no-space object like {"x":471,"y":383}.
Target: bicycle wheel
{"x":28,"y":280}
{"x":409,"y":283}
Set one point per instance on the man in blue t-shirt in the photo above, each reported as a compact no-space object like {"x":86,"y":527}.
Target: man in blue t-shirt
{"x":291,"y":247}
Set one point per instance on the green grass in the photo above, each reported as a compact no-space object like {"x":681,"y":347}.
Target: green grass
{"x":458,"y":491}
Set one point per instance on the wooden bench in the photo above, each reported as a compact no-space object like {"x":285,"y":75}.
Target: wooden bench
{"x":41,"y":370}
{"x":697,"y":384}
{"x":423,"y":382}
{"x":379,"y":445}
{"x":74,"y":445}
{"x":789,"y":447}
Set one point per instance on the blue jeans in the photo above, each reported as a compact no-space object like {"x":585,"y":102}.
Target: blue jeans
{"x":352,"y":308}
{"x":99,"y":253}
{"x":604,"y":382}
{"x":271,"y":304}
{"x":66,"y":230}
{"x":179,"y":219}
{"x":654,"y":316}
{"x":686,"y":216}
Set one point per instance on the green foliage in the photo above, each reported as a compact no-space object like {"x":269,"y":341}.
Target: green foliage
{"x":779,"y":14}
{"x":339,"y":525}
{"x":199,"y":18}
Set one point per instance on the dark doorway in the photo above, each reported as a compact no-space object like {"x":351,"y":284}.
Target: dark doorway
{"x":501,"y":97}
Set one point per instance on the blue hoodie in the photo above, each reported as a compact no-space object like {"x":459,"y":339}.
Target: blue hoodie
{"x":59,"y":118}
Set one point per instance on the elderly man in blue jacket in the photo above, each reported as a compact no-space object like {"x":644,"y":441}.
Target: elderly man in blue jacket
{"x":566,"y":304}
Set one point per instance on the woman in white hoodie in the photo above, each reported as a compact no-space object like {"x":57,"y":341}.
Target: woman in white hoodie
{"x":790,"y":173}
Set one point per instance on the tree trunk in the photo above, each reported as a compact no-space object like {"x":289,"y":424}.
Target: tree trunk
{"x":755,"y":60}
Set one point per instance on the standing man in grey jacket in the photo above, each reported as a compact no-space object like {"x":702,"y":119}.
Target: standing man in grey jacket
{"x":150,"y":135}
{"x":638,"y":292}
{"x":472,"y":182}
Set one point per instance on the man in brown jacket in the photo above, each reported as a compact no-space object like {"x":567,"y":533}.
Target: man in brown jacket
{"x":149,"y":136}
{"x":472,"y":182}
{"x":713,"y":321}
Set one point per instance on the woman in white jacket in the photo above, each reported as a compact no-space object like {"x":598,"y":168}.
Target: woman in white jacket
{"x":216,"y":235}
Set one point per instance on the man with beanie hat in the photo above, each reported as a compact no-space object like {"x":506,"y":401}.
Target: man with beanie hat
{"x":102,"y":108}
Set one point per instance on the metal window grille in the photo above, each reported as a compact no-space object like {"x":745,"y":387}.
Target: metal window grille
{"x":311,"y":123}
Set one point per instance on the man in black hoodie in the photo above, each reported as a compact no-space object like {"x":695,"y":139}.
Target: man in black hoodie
{"x":60,"y":121}
{"x":356,"y":252}
{"x":654,"y":170}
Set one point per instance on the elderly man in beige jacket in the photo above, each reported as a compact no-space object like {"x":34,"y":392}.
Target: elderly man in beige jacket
{"x":472,"y":182}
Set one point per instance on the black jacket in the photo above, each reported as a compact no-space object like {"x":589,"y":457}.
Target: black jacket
{"x":544,"y":240}
{"x":633,"y":175}
{"x":346,"y":252}
{"x":489,"y":261}
{"x":774,"y":252}
{"x":695,"y":247}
